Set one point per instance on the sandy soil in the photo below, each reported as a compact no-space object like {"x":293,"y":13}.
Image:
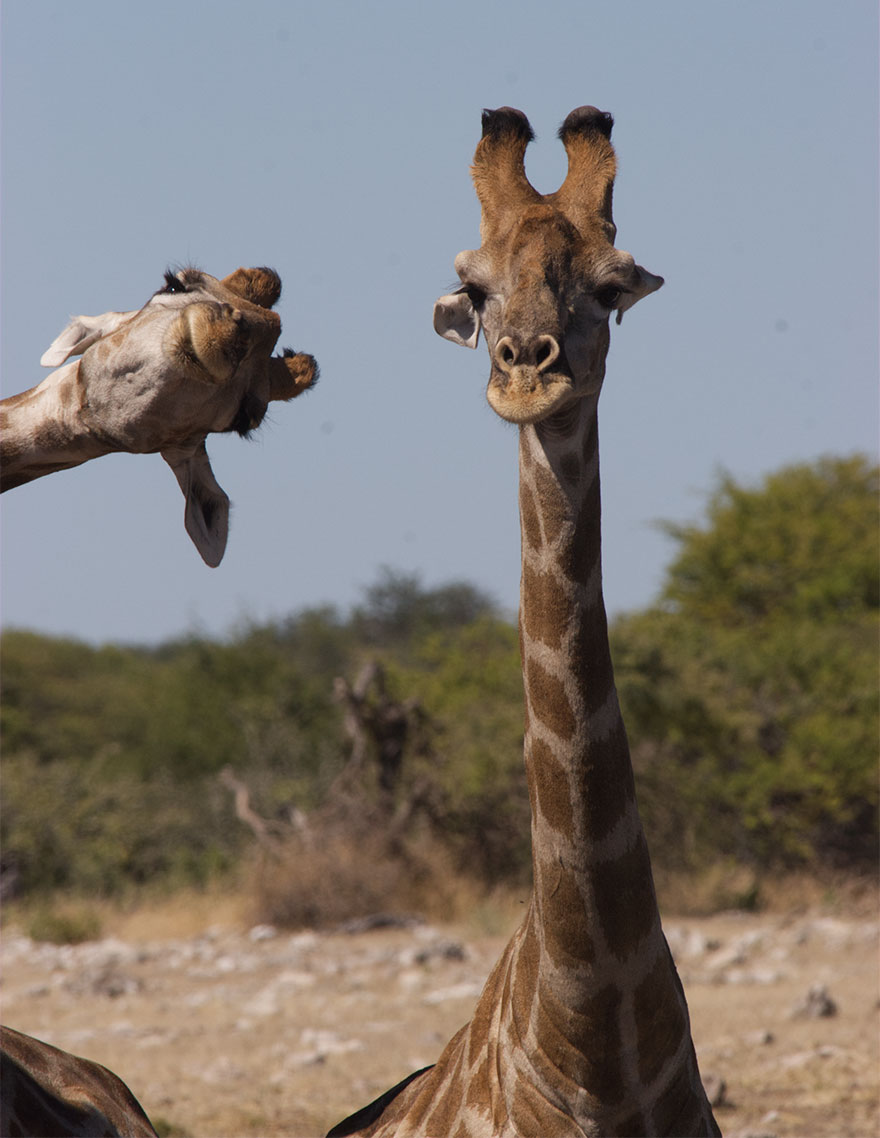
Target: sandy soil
{"x":256,"y":1032}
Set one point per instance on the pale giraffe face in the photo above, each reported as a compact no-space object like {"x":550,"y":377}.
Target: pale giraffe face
{"x":194,"y":360}
{"x":547,"y":275}
{"x":197,"y":358}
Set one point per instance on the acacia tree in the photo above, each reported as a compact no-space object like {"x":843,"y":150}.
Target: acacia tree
{"x":803,"y":544}
{"x":751,"y":689}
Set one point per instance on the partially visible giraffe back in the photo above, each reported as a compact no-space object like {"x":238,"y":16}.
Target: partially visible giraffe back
{"x":45,"y":1091}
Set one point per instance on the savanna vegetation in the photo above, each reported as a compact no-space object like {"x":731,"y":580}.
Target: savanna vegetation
{"x":381,"y":747}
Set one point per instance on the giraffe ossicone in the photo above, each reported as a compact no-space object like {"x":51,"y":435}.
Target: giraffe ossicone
{"x":195,"y":359}
{"x":582,"y":1027}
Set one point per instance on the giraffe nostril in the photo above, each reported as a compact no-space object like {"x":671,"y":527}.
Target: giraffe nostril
{"x":546,"y":352}
{"x":506,"y":354}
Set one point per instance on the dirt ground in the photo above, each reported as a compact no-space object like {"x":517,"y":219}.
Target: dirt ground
{"x":251,"y":1031}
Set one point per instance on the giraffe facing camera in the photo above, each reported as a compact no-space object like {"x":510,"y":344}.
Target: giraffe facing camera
{"x":547,"y":275}
{"x":582,"y":1026}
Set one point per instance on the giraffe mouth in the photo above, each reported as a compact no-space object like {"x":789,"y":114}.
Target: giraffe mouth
{"x":524,"y":395}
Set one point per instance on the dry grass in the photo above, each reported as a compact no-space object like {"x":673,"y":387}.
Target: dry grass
{"x":345,"y":876}
{"x":727,"y":887}
{"x":341,"y":877}
{"x":144,"y":916}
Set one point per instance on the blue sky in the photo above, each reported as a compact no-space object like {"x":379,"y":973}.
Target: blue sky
{"x":332,"y":141}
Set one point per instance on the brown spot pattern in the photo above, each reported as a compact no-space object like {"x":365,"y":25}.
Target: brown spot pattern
{"x":625,"y":903}
{"x":523,"y":987}
{"x":555,"y":510}
{"x":590,"y":659}
{"x":440,"y":1120}
{"x":528,"y":961}
{"x":580,"y":556}
{"x":583,"y":1043}
{"x":546,"y":609}
{"x":608,"y":783}
{"x":49,"y":1091}
{"x":548,"y":701}
{"x":478,"y":1081}
{"x":660,"y":1017}
{"x":567,"y":939}
{"x":532,"y":1113}
{"x":552,"y":787}
{"x":679,"y":1110}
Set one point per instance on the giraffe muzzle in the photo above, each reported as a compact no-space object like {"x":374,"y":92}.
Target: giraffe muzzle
{"x":525,"y":394}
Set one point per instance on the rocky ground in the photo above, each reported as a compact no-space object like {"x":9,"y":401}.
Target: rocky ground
{"x":259,"y":1032}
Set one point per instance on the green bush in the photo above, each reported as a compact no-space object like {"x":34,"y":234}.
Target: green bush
{"x":67,"y":927}
{"x":84,"y":826}
{"x":751,"y":693}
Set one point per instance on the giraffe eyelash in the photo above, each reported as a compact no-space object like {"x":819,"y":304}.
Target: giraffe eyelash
{"x":173,"y":283}
{"x":476,"y":295}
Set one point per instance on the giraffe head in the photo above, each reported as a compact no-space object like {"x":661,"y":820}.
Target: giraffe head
{"x":197,"y":358}
{"x":547,"y":276}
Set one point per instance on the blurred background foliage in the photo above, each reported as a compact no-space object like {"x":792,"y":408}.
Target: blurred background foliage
{"x":750,"y":692}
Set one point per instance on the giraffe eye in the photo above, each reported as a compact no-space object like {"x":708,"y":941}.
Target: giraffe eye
{"x":173,"y":283}
{"x":608,"y":296}
{"x":475,"y":295}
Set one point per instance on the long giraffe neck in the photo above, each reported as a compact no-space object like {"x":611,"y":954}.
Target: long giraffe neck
{"x":606,"y":1003}
{"x":594,"y":892}
{"x":41,"y":430}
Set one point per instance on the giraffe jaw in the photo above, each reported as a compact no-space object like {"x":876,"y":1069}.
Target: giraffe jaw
{"x":525,"y":396}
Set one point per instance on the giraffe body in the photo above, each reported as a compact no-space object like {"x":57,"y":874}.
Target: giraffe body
{"x":582,"y":1027}
{"x":45,"y":1091}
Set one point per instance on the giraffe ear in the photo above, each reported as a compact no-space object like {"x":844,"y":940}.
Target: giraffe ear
{"x":456,"y":319}
{"x":206,"y":517}
{"x":81,"y":333}
{"x":644,"y":284}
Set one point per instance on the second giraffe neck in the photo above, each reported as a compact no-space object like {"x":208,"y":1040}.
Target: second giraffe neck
{"x":594,"y":896}
{"x":41,"y":429}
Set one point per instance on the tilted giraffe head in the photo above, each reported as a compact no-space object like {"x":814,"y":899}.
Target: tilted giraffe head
{"x":196,"y":359}
{"x":547,"y":276}
{"x":200,"y":350}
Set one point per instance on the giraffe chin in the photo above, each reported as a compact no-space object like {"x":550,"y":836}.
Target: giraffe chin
{"x":522,"y":403}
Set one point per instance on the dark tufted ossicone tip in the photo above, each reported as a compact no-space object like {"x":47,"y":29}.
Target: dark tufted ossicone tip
{"x":587,"y":120}
{"x":506,"y":122}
